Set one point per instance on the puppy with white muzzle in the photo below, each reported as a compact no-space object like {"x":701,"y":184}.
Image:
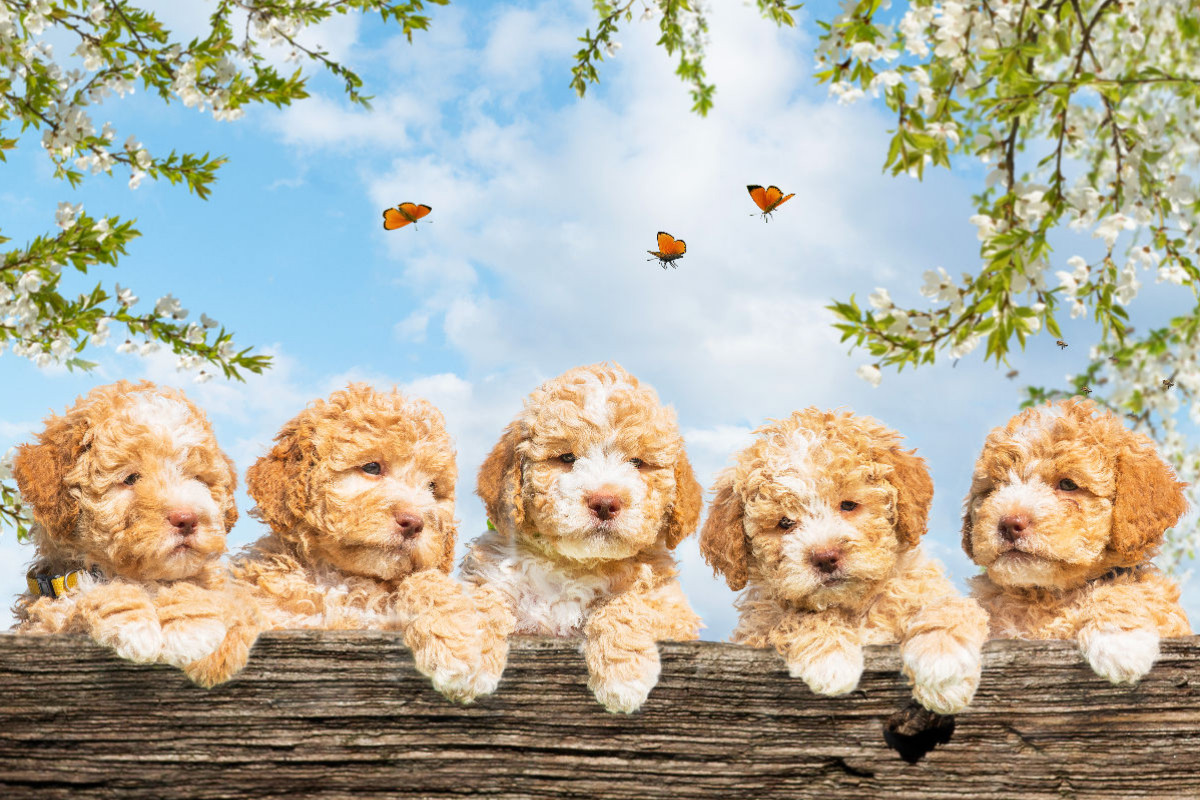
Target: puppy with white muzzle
{"x":132,"y":500}
{"x":818,"y":521}
{"x":1066,"y":509}
{"x":589,"y":490}
{"x":359,"y":494}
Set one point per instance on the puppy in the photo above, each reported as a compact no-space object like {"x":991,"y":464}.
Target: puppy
{"x":359,"y":494}
{"x":132,"y":500}
{"x":1066,"y":509}
{"x":589,"y":490}
{"x":818,"y":521}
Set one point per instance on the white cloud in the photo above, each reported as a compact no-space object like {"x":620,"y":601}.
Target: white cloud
{"x":321,"y":121}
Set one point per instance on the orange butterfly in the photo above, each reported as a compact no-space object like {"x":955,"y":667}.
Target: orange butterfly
{"x":768,"y":199}
{"x":669,"y":249}
{"x":403,"y":214}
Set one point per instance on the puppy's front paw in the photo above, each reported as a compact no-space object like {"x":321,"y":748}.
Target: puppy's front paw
{"x":944,"y":672}
{"x":450,"y":661}
{"x":122,"y":617}
{"x":189,"y":640}
{"x":1120,"y":656}
{"x":833,"y":674}
{"x":621,"y":679}
{"x":491,"y":664}
{"x":139,"y":639}
{"x":192,"y":623}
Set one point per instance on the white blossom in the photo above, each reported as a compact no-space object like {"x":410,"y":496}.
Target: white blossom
{"x":65,"y":216}
{"x":880,"y":299}
{"x":1111,"y":226}
{"x":869,"y":373}
{"x":126,"y":297}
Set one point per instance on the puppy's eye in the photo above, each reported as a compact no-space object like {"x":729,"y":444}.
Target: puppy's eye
{"x":567,"y":458}
{"x":849,"y":505}
{"x":131,"y":479}
{"x":786,"y":524}
{"x":1067,"y":485}
{"x":637,"y":462}
{"x":433,"y":486}
{"x":372,"y":468}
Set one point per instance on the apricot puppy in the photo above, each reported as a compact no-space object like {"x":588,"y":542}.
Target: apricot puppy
{"x":589,"y":490}
{"x":1066,"y":509}
{"x":132,"y":500}
{"x":818,"y":521}
{"x":359,"y":494}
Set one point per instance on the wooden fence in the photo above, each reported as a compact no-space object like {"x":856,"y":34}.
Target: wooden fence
{"x":345,"y":715}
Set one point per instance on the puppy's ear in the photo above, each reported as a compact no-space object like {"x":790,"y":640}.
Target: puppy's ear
{"x":499,"y":484}
{"x":685,"y":511}
{"x":446,"y":564}
{"x":914,"y":493}
{"x":1148,"y":501}
{"x":968,"y":528}
{"x":278,"y":480}
{"x":41,"y":471}
{"x":723,"y":538}
{"x":231,"y":512}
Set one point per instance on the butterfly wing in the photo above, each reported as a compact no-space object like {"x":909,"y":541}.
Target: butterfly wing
{"x":668,"y":245}
{"x":759,"y":195}
{"x":393,"y":219}
{"x":775,"y":198}
{"x":413,"y":211}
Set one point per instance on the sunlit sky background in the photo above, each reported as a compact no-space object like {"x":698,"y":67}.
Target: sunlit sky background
{"x":543,"y":208}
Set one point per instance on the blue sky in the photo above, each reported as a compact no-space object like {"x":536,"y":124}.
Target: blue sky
{"x":544,"y":206}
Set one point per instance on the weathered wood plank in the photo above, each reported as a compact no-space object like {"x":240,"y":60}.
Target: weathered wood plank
{"x":345,"y":715}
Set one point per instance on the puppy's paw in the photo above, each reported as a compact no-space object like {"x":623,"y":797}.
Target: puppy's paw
{"x":189,"y":640}
{"x":138,"y":639}
{"x":1120,"y":656}
{"x":621,"y":679}
{"x":491,"y":664}
{"x":451,"y":664}
{"x":944,"y":672}
{"x":192,"y":623}
{"x":122,"y":617}
{"x":833,"y":674}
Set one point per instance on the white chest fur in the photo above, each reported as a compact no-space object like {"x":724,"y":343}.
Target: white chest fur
{"x":548,"y":599}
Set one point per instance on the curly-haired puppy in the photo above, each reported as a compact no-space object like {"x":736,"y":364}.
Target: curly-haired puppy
{"x":132,"y":500}
{"x":819,"y":520}
{"x":359,"y":494}
{"x":1066,"y":509}
{"x":589,"y":490}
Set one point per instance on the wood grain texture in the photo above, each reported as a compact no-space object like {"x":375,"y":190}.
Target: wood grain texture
{"x":345,"y":715}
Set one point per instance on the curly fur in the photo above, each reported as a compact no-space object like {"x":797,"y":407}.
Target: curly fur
{"x":553,"y":566}
{"x":103,"y":480}
{"x":782,"y":511}
{"x":1080,"y":567}
{"x":336,"y":556}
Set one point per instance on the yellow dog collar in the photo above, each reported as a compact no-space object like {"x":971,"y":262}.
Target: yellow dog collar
{"x":44,"y":584}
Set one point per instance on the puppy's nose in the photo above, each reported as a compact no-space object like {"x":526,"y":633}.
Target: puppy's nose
{"x":183,"y":521}
{"x":827,"y":560}
{"x":604,"y":505}
{"x":1012,"y":526}
{"x":410,"y":525}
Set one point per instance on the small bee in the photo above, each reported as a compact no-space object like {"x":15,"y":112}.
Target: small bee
{"x":1167,"y":383}
{"x":1061,"y":344}
{"x":1086,"y":391}
{"x":1114,"y":359}
{"x":1012,"y":374}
